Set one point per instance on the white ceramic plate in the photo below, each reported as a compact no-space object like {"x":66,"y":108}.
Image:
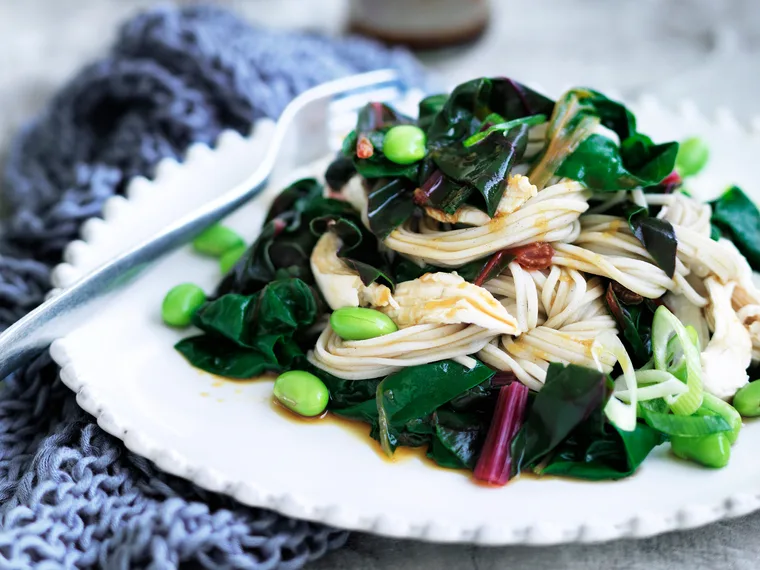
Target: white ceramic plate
{"x":226,"y":437}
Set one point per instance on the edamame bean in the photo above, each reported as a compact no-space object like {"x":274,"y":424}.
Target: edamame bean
{"x":230,"y":258}
{"x":357,"y":323}
{"x":712,"y":405}
{"x":404,"y":144}
{"x":180,"y":304}
{"x":301,"y":392}
{"x":747,"y":400}
{"x":692,"y":156}
{"x":712,"y":450}
{"x":217,"y":240}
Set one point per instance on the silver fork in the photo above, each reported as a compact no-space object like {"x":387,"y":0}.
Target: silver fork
{"x":308,"y":129}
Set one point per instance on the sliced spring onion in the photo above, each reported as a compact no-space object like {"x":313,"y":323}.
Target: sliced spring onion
{"x":503,"y":126}
{"x":684,"y":426}
{"x":619,"y":413}
{"x":665,"y":326}
{"x":714,"y":405}
{"x":652,"y":384}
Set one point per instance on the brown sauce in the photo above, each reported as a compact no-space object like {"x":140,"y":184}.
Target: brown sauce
{"x":361,"y":431}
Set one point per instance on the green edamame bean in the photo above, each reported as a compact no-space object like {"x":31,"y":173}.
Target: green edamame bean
{"x":217,"y":240}
{"x":231,"y":257}
{"x":180,"y":304}
{"x":747,"y":400}
{"x":301,"y":392}
{"x":712,"y":405}
{"x":692,"y":156}
{"x":712,"y":450}
{"x":357,"y":323}
{"x":404,"y":144}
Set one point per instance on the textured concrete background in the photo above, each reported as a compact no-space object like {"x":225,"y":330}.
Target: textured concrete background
{"x":704,"y":50}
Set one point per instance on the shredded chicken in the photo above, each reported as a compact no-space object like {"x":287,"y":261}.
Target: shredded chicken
{"x":468,"y":215}
{"x":340,"y":285}
{"x":519,"y":190}
{"x":728,"y":354}
{"x":446,"y":298}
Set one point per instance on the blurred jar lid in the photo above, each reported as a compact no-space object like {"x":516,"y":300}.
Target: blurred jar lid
{"x":420,"y":24}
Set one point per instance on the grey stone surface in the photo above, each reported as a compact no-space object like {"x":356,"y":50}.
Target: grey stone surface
{"x":704,"y":50}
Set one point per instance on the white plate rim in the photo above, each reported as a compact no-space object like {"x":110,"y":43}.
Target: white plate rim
{"x":100,"y":237}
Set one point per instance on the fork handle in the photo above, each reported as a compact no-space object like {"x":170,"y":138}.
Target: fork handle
{"x":34,"y":332}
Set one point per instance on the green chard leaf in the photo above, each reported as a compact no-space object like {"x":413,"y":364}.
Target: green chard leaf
{"x":635,"y":323}
{"x":374,"y":120}
{"x":596,"y":450}
{"x":595,"y":160}
{"x":485,"y":165}
{"x":359,"y":250}
{"x":283,"y":248}
{"x":389,"y":204}
{"x":738,"y":218}
{"x":657,"y":236}
{"x":416,"y":392}
{"x":571,"y":394}
{"x":470,"y":103}
{"x":457,"y":439}
{"x":247,"y":335}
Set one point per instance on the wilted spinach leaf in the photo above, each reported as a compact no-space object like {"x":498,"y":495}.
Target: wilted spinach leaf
{"x":738,"y":218}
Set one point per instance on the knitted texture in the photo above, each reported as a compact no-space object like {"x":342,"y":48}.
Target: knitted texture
{"x":71,"y":495}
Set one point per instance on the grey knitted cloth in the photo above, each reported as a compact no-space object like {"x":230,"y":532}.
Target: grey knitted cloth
{"x":71,"y":495}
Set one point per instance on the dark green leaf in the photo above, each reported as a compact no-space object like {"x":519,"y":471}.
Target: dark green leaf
{"x":417,"y":391}
{"x":485,"y":165}
{"x":457,"y":439}
{"x":597,"y":450}
{"x":224,"y":358}
{"x":738,"y":218}
{"x":569,"y":396}
{"x":374,"y":120}
{"x":339,"y":172}
{"x":283,"y":249}
{"x":635,"y":323}
{"x":389,"y":205}
{"x":471,"y":102}
{"x":228,"y":316}
{"x":359,"y":249}
{"x":248,"y":335}
{"x":429,"y":107}
{"x":657,"y":236}
{"x":406,"y":270}
{"x":599,"y":164}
